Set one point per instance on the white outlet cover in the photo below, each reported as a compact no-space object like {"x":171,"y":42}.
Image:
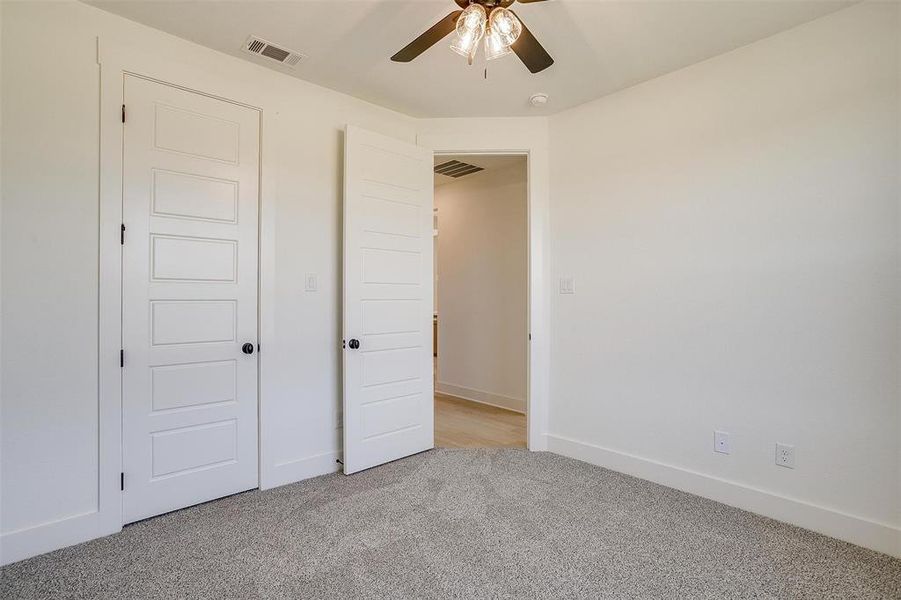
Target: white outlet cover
{"x":567,"y":285}
{"x":722,"y":443}
{"x":311,"y":282}
{"x":785,"y":455}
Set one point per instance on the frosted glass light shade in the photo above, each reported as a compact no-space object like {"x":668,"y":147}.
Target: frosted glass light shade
{"x":495,"y":46}
{"x":470,"y":29}
{"x":505,"y":24}
{"x":466,"y":44}
{"x":473,"y":19}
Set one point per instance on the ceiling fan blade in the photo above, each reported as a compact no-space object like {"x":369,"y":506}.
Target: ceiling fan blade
{"x":428,"y":39}
{"x":530,"y":52}
{"x":462,"y":3}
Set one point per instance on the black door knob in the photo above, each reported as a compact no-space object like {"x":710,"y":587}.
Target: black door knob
{"x":247,"y":348}
{"x":354,"y":344}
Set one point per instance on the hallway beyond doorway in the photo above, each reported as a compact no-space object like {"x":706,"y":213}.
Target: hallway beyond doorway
{"x":462,"y":423}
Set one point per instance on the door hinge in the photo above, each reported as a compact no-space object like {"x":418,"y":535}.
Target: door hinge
{"x":123,"y":113}
{"x":121,"y":482}
{"x":122,"y":234}
{"x":121,"y":358}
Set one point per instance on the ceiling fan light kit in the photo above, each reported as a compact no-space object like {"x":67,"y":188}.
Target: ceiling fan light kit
{"x":491,"y":20}
{"x":500,"y":29}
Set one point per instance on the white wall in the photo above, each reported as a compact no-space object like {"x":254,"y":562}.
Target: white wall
{"x":49,"y":248}
{"x":49,"y":242}
{"x":733,"y":232}
{"x":483,"y":286}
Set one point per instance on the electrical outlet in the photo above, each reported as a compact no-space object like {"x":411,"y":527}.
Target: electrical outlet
{"x":567,"y":285}
{"x":721,"y":442}
{"x":311,"y":282}
{"x":785,"y":455}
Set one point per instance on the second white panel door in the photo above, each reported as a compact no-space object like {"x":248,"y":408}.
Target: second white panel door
{"x":190,"y":204}
{"x":388,"y":388}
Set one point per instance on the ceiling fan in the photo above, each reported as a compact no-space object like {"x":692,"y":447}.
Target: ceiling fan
{"x":492,"y":20}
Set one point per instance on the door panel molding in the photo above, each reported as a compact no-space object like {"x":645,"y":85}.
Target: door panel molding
{"x":189,"y":295}
{"x":388,"y":395}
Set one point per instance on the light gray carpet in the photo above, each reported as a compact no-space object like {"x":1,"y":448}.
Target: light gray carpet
{"x":492,"y":523}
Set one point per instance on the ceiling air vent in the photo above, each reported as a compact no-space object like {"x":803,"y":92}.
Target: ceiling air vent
{"x":455,"y":168}
{"x":261,"y":47}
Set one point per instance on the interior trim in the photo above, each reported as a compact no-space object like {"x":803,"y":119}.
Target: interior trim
{"x":881,"y":537}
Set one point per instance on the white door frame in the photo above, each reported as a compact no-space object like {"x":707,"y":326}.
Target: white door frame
{"x":516,"y":137}
{"x":116,"y":61}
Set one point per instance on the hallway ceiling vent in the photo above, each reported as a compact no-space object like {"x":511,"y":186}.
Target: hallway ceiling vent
{"x":455,"y":168}
{"x":261,"y":47}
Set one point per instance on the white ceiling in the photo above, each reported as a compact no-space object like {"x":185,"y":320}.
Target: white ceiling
{"x":599,"y":46}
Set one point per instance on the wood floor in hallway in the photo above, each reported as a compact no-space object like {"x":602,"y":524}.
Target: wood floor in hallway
{"x":465,"y":424}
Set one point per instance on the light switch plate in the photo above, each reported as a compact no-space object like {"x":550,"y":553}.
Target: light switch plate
{"x":311,"y":282}
{"x":567,"y":285}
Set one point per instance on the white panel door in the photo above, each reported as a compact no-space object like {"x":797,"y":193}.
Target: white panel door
{"x":189,"y":299}
{"x":388,"y":387}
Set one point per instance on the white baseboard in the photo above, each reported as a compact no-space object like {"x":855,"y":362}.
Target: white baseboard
{"x":881,"y":537}
{"x":514,"y":404}
{"x":300,"y":469}
{"x":46,"y":537}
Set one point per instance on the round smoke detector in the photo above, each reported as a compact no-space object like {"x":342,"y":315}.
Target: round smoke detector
{"x":538,"y":99}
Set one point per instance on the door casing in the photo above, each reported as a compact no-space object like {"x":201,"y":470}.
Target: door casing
{"x":529,"y":139}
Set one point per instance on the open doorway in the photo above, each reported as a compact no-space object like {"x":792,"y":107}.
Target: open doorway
{"x":481,"y":254}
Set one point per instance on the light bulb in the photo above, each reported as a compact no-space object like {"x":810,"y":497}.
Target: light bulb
{"x":494,"y":45}
{"x":505,"y":24}
{"x":465,"y":44}
{"x":470,"y":29}
{"x":473,"y":20}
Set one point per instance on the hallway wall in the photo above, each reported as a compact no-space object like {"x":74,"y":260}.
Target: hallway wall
{"x":482,"y":287}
